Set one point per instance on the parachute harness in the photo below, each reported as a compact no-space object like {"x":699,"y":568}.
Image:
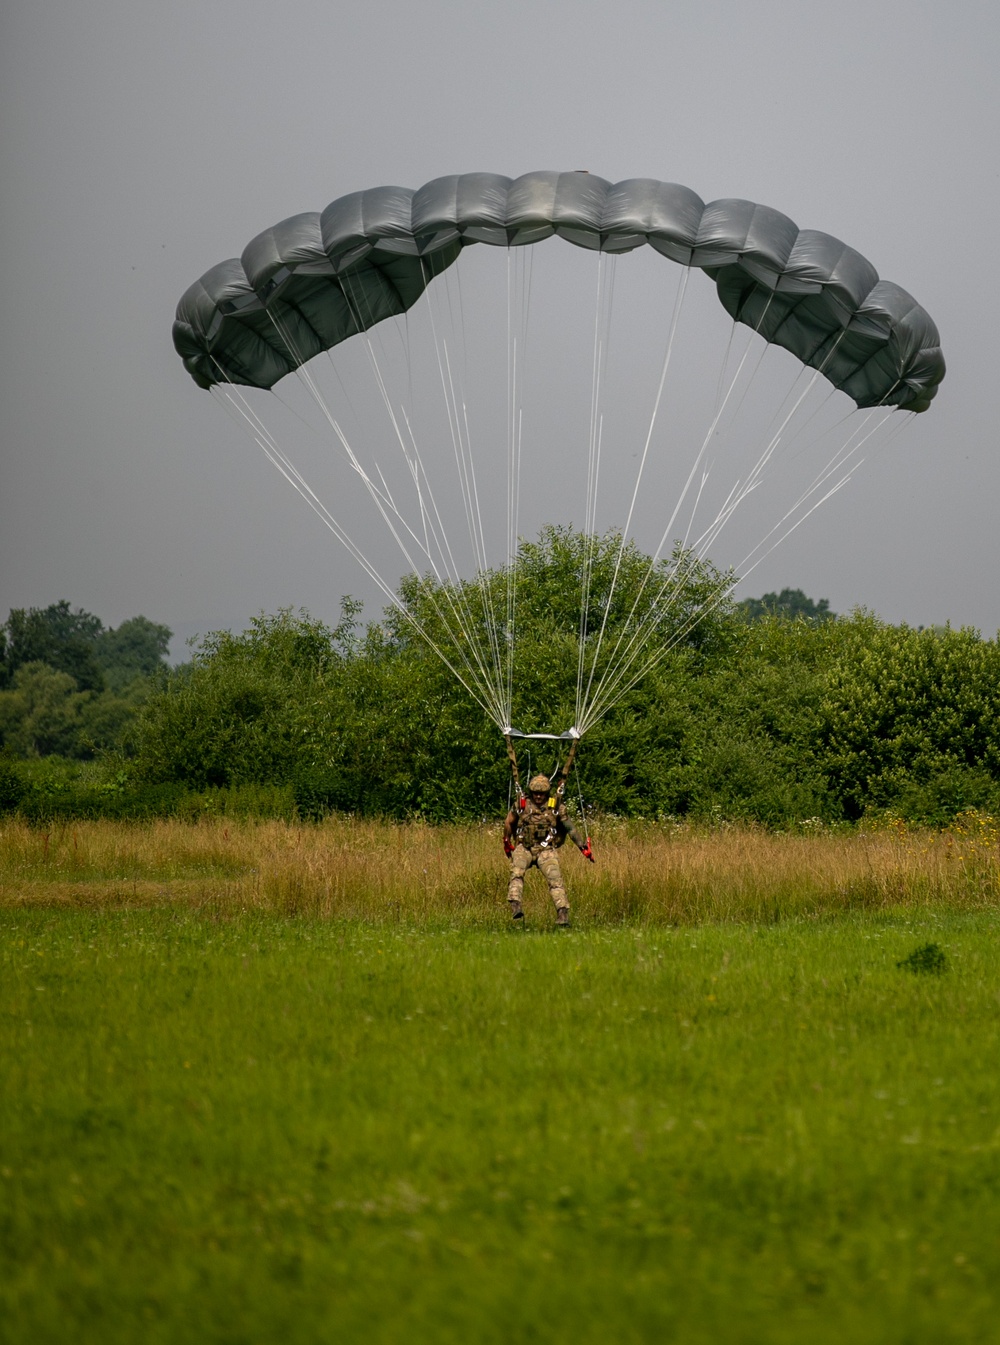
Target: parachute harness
{"x":557,"y":787}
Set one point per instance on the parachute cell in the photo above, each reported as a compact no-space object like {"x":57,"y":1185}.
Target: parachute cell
{"x":314,"y":280}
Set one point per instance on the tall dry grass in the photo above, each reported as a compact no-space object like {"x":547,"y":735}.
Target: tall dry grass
{"x":350,"y":869}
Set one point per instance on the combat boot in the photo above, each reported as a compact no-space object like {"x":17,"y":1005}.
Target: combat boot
{"x":516,"y":910}
{"x":562,"y":917}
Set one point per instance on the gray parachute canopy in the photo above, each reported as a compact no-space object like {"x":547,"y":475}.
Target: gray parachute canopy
{"x":316,"y":279}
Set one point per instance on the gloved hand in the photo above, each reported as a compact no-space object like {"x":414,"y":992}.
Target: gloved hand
{"x":508,"y":846}
{"x":586,"y":851}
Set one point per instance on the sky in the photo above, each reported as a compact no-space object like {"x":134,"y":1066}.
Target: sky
{"x":141,"y":143}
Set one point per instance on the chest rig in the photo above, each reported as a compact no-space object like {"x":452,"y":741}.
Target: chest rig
{"x":538,"y":828}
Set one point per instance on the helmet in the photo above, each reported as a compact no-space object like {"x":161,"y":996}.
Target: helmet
{"x":539,"y":785}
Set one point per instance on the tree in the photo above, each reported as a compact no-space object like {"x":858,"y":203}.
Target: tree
{"x":636,"y":611}
{"x":910,"y":720}
{"x":770,"y":720}
{"x":378,"y":724}
{"x":57,"y":636}
{"x":136,"y":648}
{"x":70,"y":687}
{"x":247,"y":708}
{"x":40,"y":714}
{"x":790,"y":603}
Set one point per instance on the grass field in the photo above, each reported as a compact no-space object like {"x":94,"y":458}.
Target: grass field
{"x":378,"y":873}
{"x":280,"y":1083}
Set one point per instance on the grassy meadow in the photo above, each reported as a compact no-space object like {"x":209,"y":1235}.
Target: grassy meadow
{"x":261,"y":1081}
{"x":346,"y":869}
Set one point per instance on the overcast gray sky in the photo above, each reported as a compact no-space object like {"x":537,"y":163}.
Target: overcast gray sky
{"x":143,"y":142}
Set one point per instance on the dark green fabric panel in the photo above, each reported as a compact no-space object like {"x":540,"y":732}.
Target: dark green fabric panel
{"x":316,"y":279}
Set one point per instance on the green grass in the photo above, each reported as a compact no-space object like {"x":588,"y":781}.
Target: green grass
{"x":296,"y":1130}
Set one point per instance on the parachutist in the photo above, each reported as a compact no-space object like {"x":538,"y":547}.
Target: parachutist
{"x":533,"y":831}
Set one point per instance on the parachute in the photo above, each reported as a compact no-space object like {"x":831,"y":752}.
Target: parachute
{"x":320,"y":281}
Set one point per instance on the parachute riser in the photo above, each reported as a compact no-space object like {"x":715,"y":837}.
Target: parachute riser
{"x":512,"y":757}
{"x":560,"y":774}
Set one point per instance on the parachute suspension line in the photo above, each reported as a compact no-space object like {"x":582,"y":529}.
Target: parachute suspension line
{"x":513,"y":486}
{"x":456,"y":408}
{"x":236,"y":405}
{"x":307,"y":380}
{"x":489,"y":600}
{"x":579,"y":794}
{"x":478,"y":532}
{"x":906,"y":419}
{"x":466,"y":626}
{"x":433,"y":522}
{"x":612,"y":688}
{"x":811,"y":443}
{"x":750,"y":334}
{"x":719,"y":412}
{"x":802,"y":372}
{"x":434,"y":525}
{"x":736,"y":496}
{"x":602,"y":340}
{"x":459,"y":332}
{"x":382,"y":497}
{"x":710,"y":605}
{"x":668,"y":352}
{"x":836,"y":464}
{"x":404,"y":337}
{"x":519,"y":272}
{"x":525,"y":269}
{"x":838,"y":460}
{"x":626,"y":675}
{"x":725,"y":359}
{"x":461,"y":450}
{"x":740,"y":492}
{"x":392,"y":516}
{"x":622,"y":658}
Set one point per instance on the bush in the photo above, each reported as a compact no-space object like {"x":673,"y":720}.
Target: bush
{"x":12,"y":785}
{"x":768,"y":721}
{"x":910,"y":720}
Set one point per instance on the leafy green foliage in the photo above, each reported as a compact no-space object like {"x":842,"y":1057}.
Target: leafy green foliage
{"x":634,"y":613}
{"x":790,"y":603}
{"x":136,"y":648}
{"x":772,"y":720}
{"x":929,"y":957}
{"x":910,"y":720}
{"x":378,"y":724}
{"x":12,"y":786}
{"x":56,"y":636}
{"x":68,"y":686}
{"x":246,"y":708}
{"x":40,"y":714}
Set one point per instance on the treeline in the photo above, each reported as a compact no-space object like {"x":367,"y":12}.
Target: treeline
{"x":71,"y":687}
{"x":754,"y":716}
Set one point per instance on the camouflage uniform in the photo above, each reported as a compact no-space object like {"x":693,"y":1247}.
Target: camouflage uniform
{"x":538,"y":832}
